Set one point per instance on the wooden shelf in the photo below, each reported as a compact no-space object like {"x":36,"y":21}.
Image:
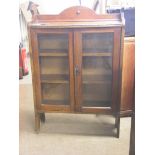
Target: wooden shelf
{"x":96,"y":82}
{"x":54,"y":50}
{"x":95,"y":103}
{"x":96,"y":72}
{"x":54,"y":78}
{"x":84,"y":82}
{"x":60,"y":54}
{"x":55,"y":102}
{"x":96,"y":77}
{"x":54,"y":81}
{"x":96,"y":50}
{"x":97,"y":54}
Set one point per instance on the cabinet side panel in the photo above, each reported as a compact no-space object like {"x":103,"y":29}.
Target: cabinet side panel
{"x":117,"y":56}
{"x":30,"y":31}
{"x":36,"y":75}
{"x":128,"y":75}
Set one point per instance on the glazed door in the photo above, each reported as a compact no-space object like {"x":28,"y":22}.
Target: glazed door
{"x":96,"y":70}
{"x":54,"y":70}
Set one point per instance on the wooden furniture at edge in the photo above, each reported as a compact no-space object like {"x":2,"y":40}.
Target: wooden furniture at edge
{"x":76,"y":61}
{"x":132,"y":131}
{"x":128,"y":70}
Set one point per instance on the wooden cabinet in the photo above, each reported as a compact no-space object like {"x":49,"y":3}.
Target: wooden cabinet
{"x":76,"y":61}
{"x":128,"y":71}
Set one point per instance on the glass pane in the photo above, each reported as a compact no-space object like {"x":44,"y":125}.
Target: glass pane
{"x":97,"y":69}
{"x":55,"y":93}
{"x":53,"y":42}
{"x":54,"y":69}
{"x":54,"y":65}
{"x":100,"y":42}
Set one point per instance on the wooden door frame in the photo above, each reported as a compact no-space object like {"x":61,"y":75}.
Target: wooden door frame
{"x":37,"y":83}
{"x":116,"y":70}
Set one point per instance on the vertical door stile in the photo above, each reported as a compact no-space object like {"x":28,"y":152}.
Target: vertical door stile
{"x":32,"y":68}
{"x":71,"y":71}
{"x":121,"y":65}
{"x":36,"y":69}
{"x":77,"y":70}
{"x":116,"y":63}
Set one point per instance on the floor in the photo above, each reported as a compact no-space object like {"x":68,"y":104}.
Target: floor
{"x":68,"y":134}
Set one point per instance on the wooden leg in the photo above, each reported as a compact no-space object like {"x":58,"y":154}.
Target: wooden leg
{"x":117,"y":125}
{"x":37,"y":122}
{"x":42,"y":117}
{"x":132,"y":136}
{"x":116,"y":121}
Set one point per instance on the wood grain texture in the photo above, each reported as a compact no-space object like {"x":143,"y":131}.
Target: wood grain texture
{"x":71,"y":72}
{"x":132,"y":131}
{"x":116,"y":70}
{"x":78,"y":63}
{"x":33,"y":70}
{"x":120,"y":80}
{"x":128,"y":76}
{"x":83,"y":16}
{"x":77,"y":13}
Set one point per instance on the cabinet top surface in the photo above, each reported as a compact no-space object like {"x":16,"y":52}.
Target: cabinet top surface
{"x":75,"y":17}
